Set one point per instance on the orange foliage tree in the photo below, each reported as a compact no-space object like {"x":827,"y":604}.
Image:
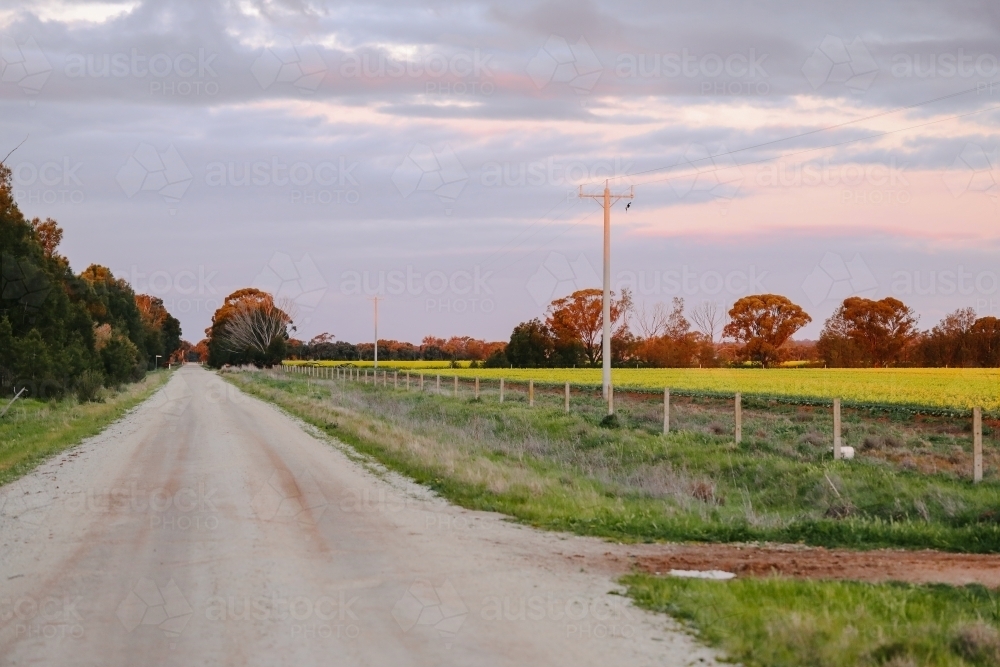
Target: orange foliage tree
{"x":763,"y":323}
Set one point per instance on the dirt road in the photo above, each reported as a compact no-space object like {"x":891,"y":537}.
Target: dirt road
{"x":209,"y":528}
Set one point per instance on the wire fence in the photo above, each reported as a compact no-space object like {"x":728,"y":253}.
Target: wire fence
{"x":922,"y":441}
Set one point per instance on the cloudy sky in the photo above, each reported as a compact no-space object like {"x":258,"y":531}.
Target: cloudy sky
{"x":431,"y":153}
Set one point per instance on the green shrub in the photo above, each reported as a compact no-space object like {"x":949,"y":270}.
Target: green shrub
{"x":89,"y":385}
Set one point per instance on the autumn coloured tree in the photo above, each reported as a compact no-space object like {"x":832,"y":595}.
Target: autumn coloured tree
{"x":865,"y":332}
{"x":249,"y":328}
{"x":763,"y":323}
{"x":667,"y":340}
{"x":577,"y":322}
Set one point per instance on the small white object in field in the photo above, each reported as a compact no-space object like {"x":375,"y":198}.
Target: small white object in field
{"x":846,"y":453}
{"x":702,"y":574}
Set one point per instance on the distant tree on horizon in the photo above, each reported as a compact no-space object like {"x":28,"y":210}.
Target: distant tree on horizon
{"x":763,"y":323}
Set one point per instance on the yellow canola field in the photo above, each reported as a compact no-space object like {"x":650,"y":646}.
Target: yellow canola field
{"x":946,"y":388}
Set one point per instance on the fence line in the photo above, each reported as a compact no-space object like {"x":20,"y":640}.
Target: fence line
{"x":838,"y":448}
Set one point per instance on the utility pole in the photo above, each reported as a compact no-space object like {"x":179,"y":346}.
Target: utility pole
{"x":375,"y":299}
{"x":608,"y":201}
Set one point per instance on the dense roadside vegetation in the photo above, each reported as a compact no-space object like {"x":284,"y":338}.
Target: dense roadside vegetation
{"x":33,"y":430}
{"x":62,"y":332}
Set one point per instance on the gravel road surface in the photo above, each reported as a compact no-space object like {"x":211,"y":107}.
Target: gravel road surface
{"x":210,"y":528}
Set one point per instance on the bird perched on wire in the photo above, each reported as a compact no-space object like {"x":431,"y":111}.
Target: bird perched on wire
{"x":627,"y":205}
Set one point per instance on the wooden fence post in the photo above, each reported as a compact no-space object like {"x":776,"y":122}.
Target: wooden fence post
{"x":666,"y":410}
{"x":477,"y":388}
{"x":739,"y":418}
{"x":566,"y":399}
{"x":501,"y":390}
{"x":977,"y":445}
{"x":438,"y":387}
{"x":531,"y":393}
{"x":455,"y":388}
{"x":837,"y":442}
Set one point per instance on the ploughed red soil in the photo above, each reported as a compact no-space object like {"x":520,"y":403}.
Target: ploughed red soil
{"x":746,"y":560}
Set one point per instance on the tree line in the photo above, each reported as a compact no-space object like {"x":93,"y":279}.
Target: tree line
{"x":63,"y":332}
{"x":250,"y":328}
{"x":757,"y":330}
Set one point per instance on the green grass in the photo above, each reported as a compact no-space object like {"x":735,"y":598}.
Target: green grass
{"x":777,"y":622}
{"x":34,"y":430}
{"x":566,"y":472}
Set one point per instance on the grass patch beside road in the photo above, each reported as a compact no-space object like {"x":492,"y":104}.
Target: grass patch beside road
{"x":789,"y":622}
{"x":566,"y":472}
{"x":33,"y":430}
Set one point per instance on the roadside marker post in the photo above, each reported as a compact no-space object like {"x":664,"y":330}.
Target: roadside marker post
{"x":977,"y":445}
{"x":438,"y":386}
{"x":501,"y":390}
{"x":531,"y":393}
{"x":454,"y":391}
{"x":739,"y":418}
{"x":611,"y":399}
{"x":566,"y":398}
{"x":666,"y":410}
{"x":837,"y":442}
